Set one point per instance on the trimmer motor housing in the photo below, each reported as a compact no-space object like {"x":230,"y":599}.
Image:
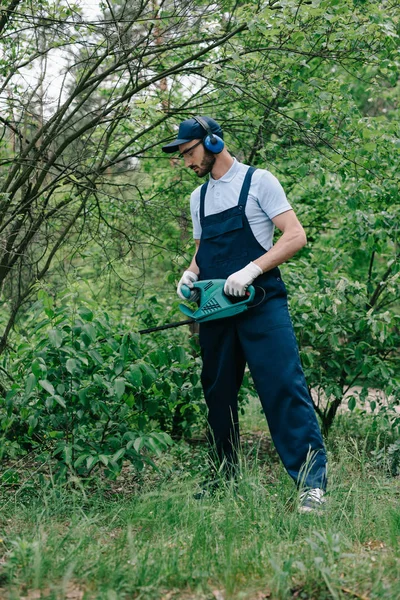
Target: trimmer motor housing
{"x":214,"y":303}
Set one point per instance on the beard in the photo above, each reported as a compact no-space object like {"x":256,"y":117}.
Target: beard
{"x":206,"y":164}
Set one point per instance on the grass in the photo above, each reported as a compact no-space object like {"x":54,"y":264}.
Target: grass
{"x":149,"y":539}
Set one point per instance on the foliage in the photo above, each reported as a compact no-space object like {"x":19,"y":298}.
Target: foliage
{"x":349,"y":347}
{"x":57,"y":153}
{"x":389,"y":458}
{"x":370,"y":435}
{"x":246,"y":544}
{"x":308,"y":90}
{"x":87,"y":394}
{"x":312,"y":94}
{"x":322,"y":95}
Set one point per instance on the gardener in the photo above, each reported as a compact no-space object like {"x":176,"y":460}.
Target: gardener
{"x":234,"y":214}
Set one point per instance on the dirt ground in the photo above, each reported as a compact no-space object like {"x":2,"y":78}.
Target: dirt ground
{"x":379,"y":396}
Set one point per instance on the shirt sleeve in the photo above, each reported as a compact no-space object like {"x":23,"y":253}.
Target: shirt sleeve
{"x":271,"y":196}
{"x":195,"y":213}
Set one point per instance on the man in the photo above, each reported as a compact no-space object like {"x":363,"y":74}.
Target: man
{"x":234,"y":214}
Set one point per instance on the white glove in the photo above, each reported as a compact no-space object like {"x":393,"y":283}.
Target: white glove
{"x":237,"y":283}
{"x":187,"y":279}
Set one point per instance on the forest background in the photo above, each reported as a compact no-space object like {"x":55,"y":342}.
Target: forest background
{"x":95,"y":225}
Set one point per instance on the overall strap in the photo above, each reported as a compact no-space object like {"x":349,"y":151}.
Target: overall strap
{"x":244,"y":192}
{"x":202,"y":199}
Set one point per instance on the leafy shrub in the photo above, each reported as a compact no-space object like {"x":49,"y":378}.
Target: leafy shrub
{"x":344,"y":341}
{"x":87,"y":395}
{"x":388,"y":458}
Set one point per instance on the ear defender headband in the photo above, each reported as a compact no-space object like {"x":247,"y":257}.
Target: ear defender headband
{"x":213,"y":143}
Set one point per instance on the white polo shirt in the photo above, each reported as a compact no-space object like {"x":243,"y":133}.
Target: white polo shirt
{"x":265,"y":201}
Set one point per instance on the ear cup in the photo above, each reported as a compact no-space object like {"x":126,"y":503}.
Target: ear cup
{"x":213,"y":143}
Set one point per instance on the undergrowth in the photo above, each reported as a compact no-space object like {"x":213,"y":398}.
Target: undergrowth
{"x":145,"y":537}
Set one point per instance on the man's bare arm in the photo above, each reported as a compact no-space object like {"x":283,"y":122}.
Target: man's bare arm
{"x":292,"y":240}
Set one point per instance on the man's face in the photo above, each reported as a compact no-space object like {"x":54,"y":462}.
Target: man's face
{"x":197,"y":158}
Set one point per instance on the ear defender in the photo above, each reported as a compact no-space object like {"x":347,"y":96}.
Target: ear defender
{"x":213,"y":143}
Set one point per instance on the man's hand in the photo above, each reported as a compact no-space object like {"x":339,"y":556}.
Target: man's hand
{"x":237,"y":283}
{"x":187,"y":279}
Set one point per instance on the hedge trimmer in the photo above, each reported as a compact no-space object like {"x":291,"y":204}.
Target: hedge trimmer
{"x":213,"y":304}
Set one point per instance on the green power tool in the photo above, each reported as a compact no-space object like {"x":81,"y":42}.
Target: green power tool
{"x":213,"y":304}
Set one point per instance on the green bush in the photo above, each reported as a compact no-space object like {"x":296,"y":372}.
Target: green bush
{"x":346,"y":345}
{"x":89,"y":395}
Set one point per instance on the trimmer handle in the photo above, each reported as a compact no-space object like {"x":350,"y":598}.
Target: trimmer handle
{"x":214,"y":303}
{"x":186,"y":291}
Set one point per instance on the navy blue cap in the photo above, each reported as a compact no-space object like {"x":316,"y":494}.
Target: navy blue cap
{"x":192,"y":130}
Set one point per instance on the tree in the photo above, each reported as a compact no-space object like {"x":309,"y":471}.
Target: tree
{"x":105,"y":113}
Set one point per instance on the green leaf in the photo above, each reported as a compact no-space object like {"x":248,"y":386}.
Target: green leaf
{"x":130,"y":400}
{"x":49,"y":402}
{"x":96,"y":357}
{"x":154,"y":357}
{"x":134,"y":340}
{"x":352,"y":403}
{"x":163,"y":438}
{"x":22,"y":348}
{"x":85,"y":313}
{"x":38,"y":368}
{"x":47,"y":302}
{"x":370,"y":147}
{"x":33,"y":422}
{"x":177,"y":378}
{"x":124,"y":347}
{"x":30,"y":384}
{"x":119,"y":454}
{"x":138,"y":443}
{"x":178,"y":353}
{"x":68,"y":454}
{"x":119,"y":387}
{"x":80,"y":460}
{"x":55,"y":337}
{"x":134,"y":337}
{"x":149,"y":374}
{"x":76,"y":330}
{"x":71,"y":365}
{"x":104,"y":459}
{"x":59,"y":400}
{"x":134,"y":376}
{"x":90,"y":331}
{"x":46,"y":385}
{"x":91,"y":461}
{"x":85,"y":338}
{"x":152,"y":444}
{"x":59,"y":448}
{"x":82,"y":395}
{"x":99,"y":380}
{"x":194,"y":378}
{"x":118,"y":366}
{"x":10,"y":476}
{"x":336,"y":157}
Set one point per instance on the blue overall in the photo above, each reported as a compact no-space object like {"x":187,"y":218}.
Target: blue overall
{"x":263,"y":337}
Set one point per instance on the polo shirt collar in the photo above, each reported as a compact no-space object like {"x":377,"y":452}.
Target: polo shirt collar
{"x":229,"y":175}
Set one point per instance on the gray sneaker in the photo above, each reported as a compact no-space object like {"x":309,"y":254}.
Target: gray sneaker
{"x":312,"y":501}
